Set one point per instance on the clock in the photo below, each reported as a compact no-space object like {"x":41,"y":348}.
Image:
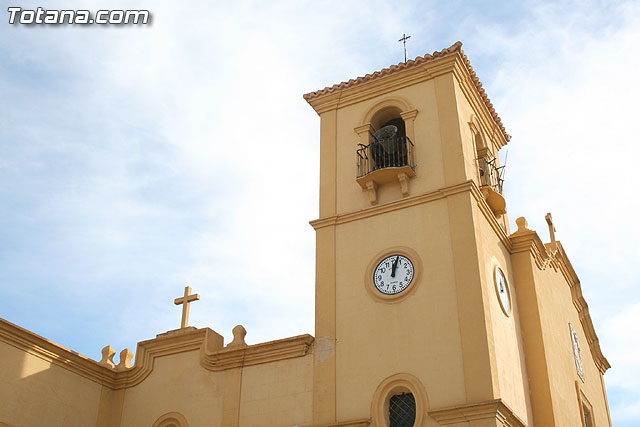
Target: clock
{"x":393,"y":274}
{"x":502,"y":288}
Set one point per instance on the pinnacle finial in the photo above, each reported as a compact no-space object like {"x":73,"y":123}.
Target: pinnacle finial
{"x":239,"y":332}
{"x":522,"y":224}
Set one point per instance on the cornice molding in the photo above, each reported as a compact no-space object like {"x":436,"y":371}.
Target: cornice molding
{"x":53,"y":353}
{"x":376,"y":88}
{"x":409,"y":115}
{"x":525,"y":240}
{"x":466,"y":186}
{"x":552,"y":255}
{"x":267,"y":352}
{"x":173,"y":342}
{"x":485,"y":115}
{"x":580,"y":303}
{"x":315,"y":97}
{"x":489,"y":410}
{"x":422,"y":68}
{"x":213,"y":356}
{"x":391,"y":206}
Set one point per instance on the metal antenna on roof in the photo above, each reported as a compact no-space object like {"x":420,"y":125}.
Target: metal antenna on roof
{"x":404,"y":42}
{"x":504,"y":167}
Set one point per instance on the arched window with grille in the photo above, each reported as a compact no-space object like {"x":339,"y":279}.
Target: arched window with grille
{"x":399,"y":401}
{"x":388,"y":145}
{"x":171,"y":419}
{"x":402,"y":410}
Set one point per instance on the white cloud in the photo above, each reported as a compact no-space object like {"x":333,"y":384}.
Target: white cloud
{"x":622,"y":332}
{"x":566,"y":95}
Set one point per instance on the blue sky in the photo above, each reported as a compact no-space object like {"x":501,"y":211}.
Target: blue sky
{"x":135,"y":160}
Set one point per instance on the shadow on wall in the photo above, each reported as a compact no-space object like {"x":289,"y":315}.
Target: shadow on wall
{"x":34,"y":392}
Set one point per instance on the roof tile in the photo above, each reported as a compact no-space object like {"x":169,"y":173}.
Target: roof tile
{"x":456,"y":47}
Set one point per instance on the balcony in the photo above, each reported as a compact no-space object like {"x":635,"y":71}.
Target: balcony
{"x":491,"y":181}
{"x":383,"y":161}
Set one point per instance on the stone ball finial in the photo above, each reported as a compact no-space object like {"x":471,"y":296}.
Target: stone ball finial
{"x":126,"y":356}
{"x":107,"y":357}
{"x":522,"y":224}
{"x":239,"y":332}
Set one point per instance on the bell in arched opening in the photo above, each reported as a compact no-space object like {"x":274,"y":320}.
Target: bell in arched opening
{"x":388,"y":146}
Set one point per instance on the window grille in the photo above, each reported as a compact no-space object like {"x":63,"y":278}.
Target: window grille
{"x":392,"y":153}
{"x":491,"y":175}
{"x":402,"y":410}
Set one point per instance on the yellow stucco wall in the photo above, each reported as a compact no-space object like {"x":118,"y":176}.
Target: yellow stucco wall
{"x":429,"y":170}
{"x":418,"y":335}
{"x":277,"y":394}
{"x":549,"y":300}
{"x":34,"y":392}
{"x":176,"y":384}
{"x":554,"y":297}
{"x":422,"y":335}
{"x":270,"y":394}
{"x":269,"y":384}
{"x":508,"y":349}
{"x":504,"y":330}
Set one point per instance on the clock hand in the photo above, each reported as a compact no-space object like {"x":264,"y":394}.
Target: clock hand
{"x":393,"y":266}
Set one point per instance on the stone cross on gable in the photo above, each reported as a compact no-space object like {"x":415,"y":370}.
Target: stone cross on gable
{"x":186,"y":300}
{"x":552,"y":228}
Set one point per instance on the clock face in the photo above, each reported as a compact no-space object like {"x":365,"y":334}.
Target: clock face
{"x":393,"y":274}
{"x":503,"y":290}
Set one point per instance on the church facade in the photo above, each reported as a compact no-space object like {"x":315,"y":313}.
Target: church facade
{"x":430,"y":311}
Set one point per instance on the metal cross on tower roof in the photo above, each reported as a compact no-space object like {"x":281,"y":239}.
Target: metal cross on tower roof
{"x":404,"y":43}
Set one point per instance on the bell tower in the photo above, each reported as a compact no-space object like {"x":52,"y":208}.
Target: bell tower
{"x":411,"y":240}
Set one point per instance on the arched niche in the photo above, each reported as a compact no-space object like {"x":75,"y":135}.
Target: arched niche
{"x":489,"y":173}
{"x":389,"y":116}
{"x":370,"y":175}
{"x":394,"y":110}
{"x":171,"y":419}
{"x":479,"y":140}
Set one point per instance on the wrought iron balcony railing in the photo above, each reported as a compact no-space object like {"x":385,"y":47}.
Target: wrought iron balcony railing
{"x":396,"y":152}
{"x":490,"y":174}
